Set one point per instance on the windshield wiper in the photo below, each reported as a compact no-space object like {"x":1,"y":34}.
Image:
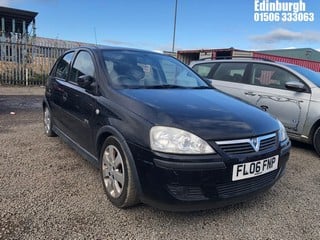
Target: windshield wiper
{"x":164,"y":86}
{"x":202,"y":87}
{"x":172,"y":86}
{"x":125,"y":86}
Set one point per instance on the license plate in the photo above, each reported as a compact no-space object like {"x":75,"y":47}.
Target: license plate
{"x":253,"y":169}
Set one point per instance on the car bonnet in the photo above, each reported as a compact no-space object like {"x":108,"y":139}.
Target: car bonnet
{"x":209,"y":114}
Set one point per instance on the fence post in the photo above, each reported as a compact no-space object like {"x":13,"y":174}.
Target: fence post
{"x":27,"y":77}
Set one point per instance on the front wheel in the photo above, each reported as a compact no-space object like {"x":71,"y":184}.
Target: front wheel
{"x":316,"y":140}
{"x":117,"y":175}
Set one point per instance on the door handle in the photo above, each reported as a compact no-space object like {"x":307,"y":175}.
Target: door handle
{"x":250,"y":93}
{"x":264,"y":107}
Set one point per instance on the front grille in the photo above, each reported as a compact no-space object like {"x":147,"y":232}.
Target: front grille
{"x":240,"y":148}
{"x":268,"y":143}
{"x":240,"y":187}
{"x":249,"y":145}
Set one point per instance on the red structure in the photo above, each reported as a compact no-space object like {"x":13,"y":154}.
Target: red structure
{"x":190,"y":55}
{"x":314,"y":65}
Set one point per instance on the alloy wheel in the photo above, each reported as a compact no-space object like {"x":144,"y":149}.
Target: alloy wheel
{"x":113,"y":171}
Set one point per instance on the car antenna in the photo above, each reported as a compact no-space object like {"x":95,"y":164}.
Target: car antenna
{"x":95,"y":35}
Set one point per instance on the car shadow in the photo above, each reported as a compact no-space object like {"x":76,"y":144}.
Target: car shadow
{"x":301,"y":145}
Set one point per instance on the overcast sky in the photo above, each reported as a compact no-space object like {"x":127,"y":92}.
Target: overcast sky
{"x":148,"y":24}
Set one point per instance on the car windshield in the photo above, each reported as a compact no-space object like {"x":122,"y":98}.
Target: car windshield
{"x":309,"y":74}
{"x":135,"y":69}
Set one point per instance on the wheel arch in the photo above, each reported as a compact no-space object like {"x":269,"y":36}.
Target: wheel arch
{"x":314,"y":127}
{"x":45,"y":103}
{"x":108,"y":131}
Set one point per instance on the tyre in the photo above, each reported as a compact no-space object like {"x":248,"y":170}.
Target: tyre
{"x":117,"y":177}
{"x":47,"y":122}
{"x":316,"y":140}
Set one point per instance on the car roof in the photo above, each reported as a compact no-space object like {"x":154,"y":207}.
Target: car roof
{"x":250,"y":60}
{"x":234,"y":60}
{"x":105,"y":47}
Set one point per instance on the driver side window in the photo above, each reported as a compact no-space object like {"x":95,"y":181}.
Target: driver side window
{"x":271,"y":76}
{"x":83,"y":65}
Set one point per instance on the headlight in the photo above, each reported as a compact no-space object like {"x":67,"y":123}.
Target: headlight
{"x":173,"y":140}
{"x":282,"y":132}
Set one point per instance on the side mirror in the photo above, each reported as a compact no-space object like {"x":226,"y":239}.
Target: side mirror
{"x":295,"y":86}
{"x":85,"y":81}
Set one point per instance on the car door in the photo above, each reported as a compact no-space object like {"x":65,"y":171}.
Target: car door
{"x":57,"y":91}
{"x":80,"y":103}
{"x":231,"y":77}
{"x":267,"y":91}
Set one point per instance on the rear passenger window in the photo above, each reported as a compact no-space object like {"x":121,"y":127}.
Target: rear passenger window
{"x":203,"y":69}
{"x":271,"y":76}
{"x":63,"y":66}
{"x":231,"y":72}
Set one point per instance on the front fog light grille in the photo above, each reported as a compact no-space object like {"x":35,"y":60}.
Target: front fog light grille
{"x":233,"y":189}
{"x":186,"y":193}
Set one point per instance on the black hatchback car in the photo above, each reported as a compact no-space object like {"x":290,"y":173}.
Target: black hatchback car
{"x":158,"y":132}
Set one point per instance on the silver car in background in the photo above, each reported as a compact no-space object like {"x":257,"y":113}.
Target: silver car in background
{"x":289,"y":92}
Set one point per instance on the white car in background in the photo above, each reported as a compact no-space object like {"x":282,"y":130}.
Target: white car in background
{"x":289,"y":92}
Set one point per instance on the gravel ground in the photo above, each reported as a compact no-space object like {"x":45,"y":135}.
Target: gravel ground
{"x":47,"y":191}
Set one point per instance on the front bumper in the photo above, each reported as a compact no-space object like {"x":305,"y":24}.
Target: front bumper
{"x":186,"y":183}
